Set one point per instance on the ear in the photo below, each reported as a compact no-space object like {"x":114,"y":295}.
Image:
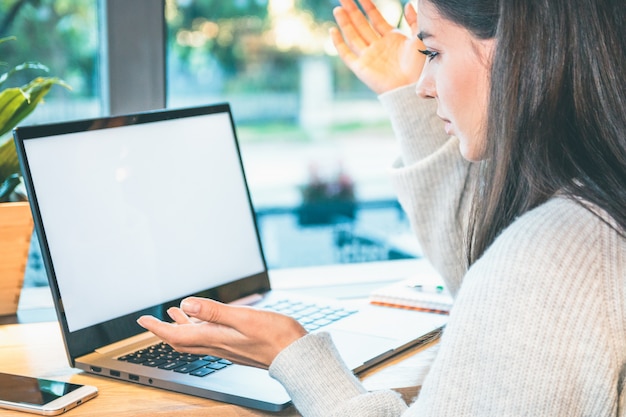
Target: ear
{"x":486,"y":49}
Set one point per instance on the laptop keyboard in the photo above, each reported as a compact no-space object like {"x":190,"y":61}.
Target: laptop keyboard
{"x":311,"y":316}
{"x":163,"y":356}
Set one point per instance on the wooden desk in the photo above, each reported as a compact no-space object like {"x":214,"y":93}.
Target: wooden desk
{"x":36,"y":349}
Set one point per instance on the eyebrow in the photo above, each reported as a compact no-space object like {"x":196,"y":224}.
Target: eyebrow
{"x":423,"y":35}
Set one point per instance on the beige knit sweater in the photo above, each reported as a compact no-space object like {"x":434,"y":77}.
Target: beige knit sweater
{"x":538,"y":327}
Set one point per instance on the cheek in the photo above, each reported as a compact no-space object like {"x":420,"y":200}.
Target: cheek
{"x":472,"y":132}
{"x":456,"y":94}
{"x":465,"y":98}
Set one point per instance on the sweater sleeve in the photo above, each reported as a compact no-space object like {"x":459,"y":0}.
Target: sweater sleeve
{"x":311,"y":369}
{"x":320,"y":384}
{"x":537,"y":328}
{"x":430,"y":180}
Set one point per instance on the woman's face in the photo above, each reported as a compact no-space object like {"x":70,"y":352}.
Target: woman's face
{"x":456,"y":74}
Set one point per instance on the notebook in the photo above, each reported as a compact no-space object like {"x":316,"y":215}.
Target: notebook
{"x":424,"y":291}
{"x":136,"y":212}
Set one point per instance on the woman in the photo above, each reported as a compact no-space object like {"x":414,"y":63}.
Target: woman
{"x":521,"y":209}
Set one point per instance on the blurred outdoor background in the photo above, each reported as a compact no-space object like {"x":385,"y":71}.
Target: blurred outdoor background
{"x":316,"y":143}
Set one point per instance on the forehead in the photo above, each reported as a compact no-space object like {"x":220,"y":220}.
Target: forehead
{"x":430,"y":22}
{"x":432,"y":25}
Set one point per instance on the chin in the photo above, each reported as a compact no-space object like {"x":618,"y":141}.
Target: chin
{"x":470,"y":151}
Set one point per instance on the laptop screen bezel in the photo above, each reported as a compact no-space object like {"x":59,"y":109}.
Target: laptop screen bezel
{"x":86,"y":340}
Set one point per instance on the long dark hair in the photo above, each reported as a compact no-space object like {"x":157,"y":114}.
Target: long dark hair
{"x":557,"y":108}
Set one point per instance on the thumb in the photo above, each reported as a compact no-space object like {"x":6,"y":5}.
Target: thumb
{"x":195,"y":306}
{"x":190,"y":305}
{"x":210,"y":311}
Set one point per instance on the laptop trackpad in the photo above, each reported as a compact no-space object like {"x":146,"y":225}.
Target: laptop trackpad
{"x":357,"y":349}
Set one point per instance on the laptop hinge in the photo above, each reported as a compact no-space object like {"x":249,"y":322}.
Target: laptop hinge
{"x":138,"y":339}
{"x":248,"y":299}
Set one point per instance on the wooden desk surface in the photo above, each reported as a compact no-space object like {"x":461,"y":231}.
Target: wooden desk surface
{"x":36,"y":349}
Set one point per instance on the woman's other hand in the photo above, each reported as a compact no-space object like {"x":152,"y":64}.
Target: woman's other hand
{"x":379,"y":54}
{"x":241,"y":334}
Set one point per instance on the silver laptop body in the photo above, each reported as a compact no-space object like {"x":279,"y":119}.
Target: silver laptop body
{"x":135,"y":213}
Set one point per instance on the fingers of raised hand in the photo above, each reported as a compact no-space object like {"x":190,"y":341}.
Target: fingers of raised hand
{"x":376,"y":19}
{"x":349,"y":33}
{"x":344,"y":52}
{"x":410,"y":14}
{"x":370,"y":27}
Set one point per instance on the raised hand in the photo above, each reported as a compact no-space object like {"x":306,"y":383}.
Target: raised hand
{"x":238,"y":333}
{"x":379,"y":54}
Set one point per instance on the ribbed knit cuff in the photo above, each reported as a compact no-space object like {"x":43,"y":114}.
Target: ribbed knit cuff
{"x":313,"y":374}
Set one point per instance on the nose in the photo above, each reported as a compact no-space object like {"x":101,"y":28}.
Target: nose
{"x":425,"y":87}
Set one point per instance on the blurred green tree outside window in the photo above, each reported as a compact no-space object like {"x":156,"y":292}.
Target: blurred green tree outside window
{"x":302,"y":117}
{"x":298,"y":108}
{"x":63,"y":35}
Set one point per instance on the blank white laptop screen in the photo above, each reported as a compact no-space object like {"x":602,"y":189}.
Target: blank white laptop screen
{"x":145,"y":226}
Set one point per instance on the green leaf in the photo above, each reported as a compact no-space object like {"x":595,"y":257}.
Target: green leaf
{"x":9,"y":163}
{"x":22,"y":67}
{"x":11,"y":100}
{"x":17,"y":103}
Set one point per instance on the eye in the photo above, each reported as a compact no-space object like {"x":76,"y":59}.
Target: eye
{"x":430,"y":55}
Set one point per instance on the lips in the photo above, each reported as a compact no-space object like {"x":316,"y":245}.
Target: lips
{"x":447,"y":125}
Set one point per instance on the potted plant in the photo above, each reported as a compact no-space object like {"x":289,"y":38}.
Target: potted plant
{"x":16,"y":223}
{"x":327,"y":201}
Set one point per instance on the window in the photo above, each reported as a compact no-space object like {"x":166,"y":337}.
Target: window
{"x":315,"y":141}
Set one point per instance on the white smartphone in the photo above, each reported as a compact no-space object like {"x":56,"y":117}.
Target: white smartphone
{"x":42,"y":396}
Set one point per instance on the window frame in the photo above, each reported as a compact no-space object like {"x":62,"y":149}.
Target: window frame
{"x":133,"y":55}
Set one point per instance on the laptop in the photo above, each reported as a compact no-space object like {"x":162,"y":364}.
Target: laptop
{"x":135,"y":213}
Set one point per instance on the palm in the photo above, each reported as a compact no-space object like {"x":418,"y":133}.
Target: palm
{"x":380,"y":55}
{"x":392,"y":61}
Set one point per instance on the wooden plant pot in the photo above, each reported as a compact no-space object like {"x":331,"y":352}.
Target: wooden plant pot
{"x":16,"y":228}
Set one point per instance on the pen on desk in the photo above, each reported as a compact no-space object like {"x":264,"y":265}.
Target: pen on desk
{"x":427,"y":288}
